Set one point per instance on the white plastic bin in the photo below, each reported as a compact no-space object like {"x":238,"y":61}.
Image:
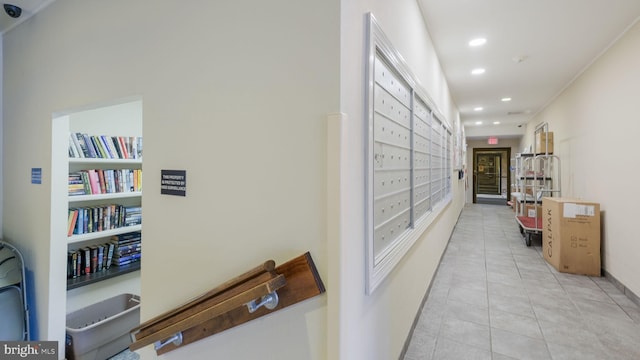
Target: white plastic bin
{"x":101,"y":330}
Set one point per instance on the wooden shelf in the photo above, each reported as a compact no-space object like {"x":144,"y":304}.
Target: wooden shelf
{"x":94,"y":197}
{"x":103,"y":161}
{"x":102,"y":234}
{"x":112,"y":272}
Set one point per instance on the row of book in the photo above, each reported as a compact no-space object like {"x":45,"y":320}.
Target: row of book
{"x":104,"y":181}
{"x":105,"y":147}
{"x":121,"y":250}
{"x":101,"y":218}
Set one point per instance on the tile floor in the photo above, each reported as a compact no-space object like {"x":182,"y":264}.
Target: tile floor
{"x":495,"y":298}
{"x":125,"y":355}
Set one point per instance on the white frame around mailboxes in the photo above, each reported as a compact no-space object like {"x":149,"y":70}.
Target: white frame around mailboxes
{"x":417,"y":143}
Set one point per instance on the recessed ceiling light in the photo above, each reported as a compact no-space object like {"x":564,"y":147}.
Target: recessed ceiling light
{"x":505,"y":99}
{"x":496,"y":123}
{"x":477,"y":42}
{"x":477,"y":71}
{"x":479,"y":108}
{"x":478,"y":122}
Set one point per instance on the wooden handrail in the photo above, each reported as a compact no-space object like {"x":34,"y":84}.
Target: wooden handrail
{"x":200,"y":301}
{"x":224,"y":306}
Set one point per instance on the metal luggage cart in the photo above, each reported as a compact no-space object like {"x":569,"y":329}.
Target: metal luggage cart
{"x":529,"y":227}
{"x":14,"y":311}
{"x":541,"y":180}
{"x":538,"y":176}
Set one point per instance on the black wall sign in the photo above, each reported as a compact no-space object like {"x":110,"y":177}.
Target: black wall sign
{"x":173,"y":182}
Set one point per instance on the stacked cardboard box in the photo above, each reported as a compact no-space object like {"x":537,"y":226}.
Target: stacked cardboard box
{"x":544,"y":143}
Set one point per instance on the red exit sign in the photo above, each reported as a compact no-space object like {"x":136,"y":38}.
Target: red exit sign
{"x":493,"y":141}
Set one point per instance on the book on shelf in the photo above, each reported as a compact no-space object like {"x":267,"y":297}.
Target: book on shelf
{"x":100,"y":257}
{"x":89,"y":215}
{"x":79,"y":266}
{"x":107,"y":147}
{"x":111,"y":247}
{"x":104,"y":181}
{"x":76,"y":189}
{"x":79,"y":223}
{"x":90,"y":148}
{"x":103,"y":187}
{"x":81,"y":141}
{"x":96,"y":258}
{"x":82,"y":145}
{"x":71,"y":224}
{"x":72,"y":265}
{"x":95,"y":142}
{"x":125,"y":249}
{"x":116,"y":147}
{"x":76,"y":184}
{"x":101,"y":218}
{"x":86,"y":257}
{"x":138,"y":147}
{"x":74,"y":147}
{"x":133,"y":215}
{"x":94,"y":181}
{"x":86,"y":181}
{"x":126,"y":259}
{"x":119,"y":256}
{"x":127,"y":238}
{"x":123,"y":147}
{"x":108,"y":179}
{"x":86,"y":217}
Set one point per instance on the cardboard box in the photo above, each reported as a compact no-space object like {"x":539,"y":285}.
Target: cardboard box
{"x":541,"y":143}
{"x":531,"y":210}
{"x":571,"y":235}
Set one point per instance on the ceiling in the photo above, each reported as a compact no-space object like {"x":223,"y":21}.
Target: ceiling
{"x":534,"y":49}
{"x":29,"y":7}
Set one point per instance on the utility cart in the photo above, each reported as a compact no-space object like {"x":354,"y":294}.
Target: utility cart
{"x":537,"y":176}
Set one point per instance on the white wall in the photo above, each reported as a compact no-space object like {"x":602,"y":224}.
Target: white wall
{"x":236,"y":93}
{"x":595,"y":125}
{"x":1,"y":130}
{"x":376,"y":326}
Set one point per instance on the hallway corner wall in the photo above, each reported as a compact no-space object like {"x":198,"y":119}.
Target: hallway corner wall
{"x":376,"y":326}
{"x":595,"y":126}
{"x":235,"y":94}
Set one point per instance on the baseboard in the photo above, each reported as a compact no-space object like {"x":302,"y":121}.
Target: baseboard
{"x":633,"y":297}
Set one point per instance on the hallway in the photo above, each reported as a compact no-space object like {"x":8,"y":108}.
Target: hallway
{"x":495,"y":298}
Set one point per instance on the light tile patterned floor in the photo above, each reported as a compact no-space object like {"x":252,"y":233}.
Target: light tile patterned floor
{"x":495,"y":298}
{"x":125,"y":355}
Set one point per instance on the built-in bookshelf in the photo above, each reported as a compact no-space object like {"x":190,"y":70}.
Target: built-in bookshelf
{"x":121,"y":120}
{"x":104,"y":197}
{"x":104,"y":204}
